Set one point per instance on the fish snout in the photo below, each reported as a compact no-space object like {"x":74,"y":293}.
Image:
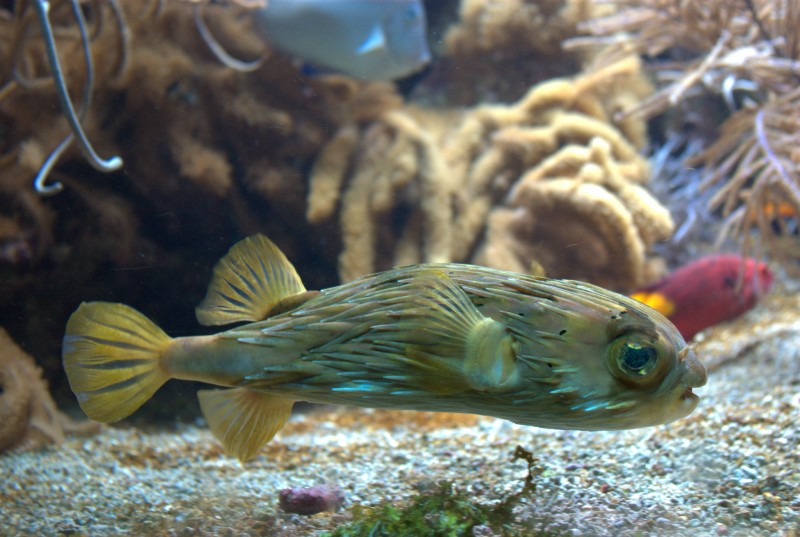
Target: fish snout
{"x":696,"y":376}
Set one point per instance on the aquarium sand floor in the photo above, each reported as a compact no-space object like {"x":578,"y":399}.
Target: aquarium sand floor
{"x":732,"y":468}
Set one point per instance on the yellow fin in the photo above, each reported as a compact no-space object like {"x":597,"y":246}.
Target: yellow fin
{"x":244,"y":420}
{"x":491,"y":360}
{"x":112,"y":356}
{"x":292,"y":302}
{"x":656,"y":300}
{"x":253,"y":277}
{"x":445,"y":328}
{"x":537,"y":269}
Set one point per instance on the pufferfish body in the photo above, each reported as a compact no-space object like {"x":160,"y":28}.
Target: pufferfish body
{"x":435,"y":337}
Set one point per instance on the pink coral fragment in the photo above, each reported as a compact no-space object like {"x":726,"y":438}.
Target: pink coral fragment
{"x":311,"y":500}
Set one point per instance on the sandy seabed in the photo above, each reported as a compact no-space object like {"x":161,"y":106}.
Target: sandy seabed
{"x":731,"y":468}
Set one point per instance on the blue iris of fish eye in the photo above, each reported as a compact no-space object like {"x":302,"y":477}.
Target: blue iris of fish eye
{"x":636,"y":357}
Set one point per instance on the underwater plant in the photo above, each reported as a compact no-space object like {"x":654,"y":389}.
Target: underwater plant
{"x":747,"y":52}
{"x":444,"y":510}
{"x":441,"y":512}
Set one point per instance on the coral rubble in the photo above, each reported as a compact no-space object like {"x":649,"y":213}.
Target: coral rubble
{"x":28,"y":416}
{"x":311,"y":500}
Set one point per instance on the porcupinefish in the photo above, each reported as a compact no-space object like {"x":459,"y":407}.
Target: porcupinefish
{"x":436,"y":337}
{"x":708,"y":291}
{"x":367,"y":39}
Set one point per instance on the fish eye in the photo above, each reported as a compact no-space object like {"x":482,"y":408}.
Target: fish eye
{"x":729,"y":281}
{"x":633,"y":359}
{"x":637,"y":359}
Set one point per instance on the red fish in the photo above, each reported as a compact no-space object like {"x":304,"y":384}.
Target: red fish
{"x":708,"y":291}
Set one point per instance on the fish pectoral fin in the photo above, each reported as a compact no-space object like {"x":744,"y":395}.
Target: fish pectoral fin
{"x":453,"y":346}
{"x":491,"y":360}
{"x":376,"y":40}
{"x":434,"y":375}
{"x":244,"y":420}
{"x":252,"y":278}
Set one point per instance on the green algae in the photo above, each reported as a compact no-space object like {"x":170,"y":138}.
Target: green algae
{"x":441,"y":513}
{"x":444,"y":512}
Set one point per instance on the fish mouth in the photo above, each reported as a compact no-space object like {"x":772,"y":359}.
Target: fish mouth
{"x":695,"y":376}
{"x":689,"y":395}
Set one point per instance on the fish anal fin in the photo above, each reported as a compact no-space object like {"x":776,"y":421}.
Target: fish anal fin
{"x":248,"y":282}
{"x":244,"y":420}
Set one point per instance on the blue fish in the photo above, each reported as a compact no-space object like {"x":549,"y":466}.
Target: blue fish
{"x":366,"y":39}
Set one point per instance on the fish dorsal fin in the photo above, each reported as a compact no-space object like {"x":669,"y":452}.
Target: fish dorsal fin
{"x":244,"y":420}
{"x":376,"y":40}
{"x":248,"y":282}
{"x":454,"y":345}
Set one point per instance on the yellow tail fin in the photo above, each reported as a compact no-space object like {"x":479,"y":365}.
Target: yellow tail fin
{"x":112,"y":356}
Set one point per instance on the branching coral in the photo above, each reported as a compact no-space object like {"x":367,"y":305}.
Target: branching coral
{"x":420,"y":184}
{"x":28,"y":416}
{"x":748,"y":52}
{"x":400,"y":174}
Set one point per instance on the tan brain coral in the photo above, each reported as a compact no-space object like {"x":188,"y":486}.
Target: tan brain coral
{"x":578,"y":217}
{"x":551,"y":178}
